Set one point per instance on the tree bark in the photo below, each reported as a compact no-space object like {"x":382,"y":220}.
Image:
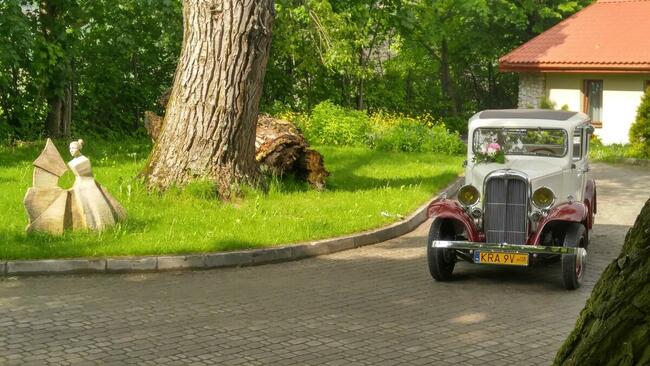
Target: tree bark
{"x":408,"y":86}
{"x":445,"y":77}
{"x":58,"y":88}
{"x":53,"y":121}
{"x":209,"y":125}
{"x":360,"y":80}
{"x":280,"y":148}
{"x":614,"y":326}
{"x":59,"y":114}
{"x":66,"y":110}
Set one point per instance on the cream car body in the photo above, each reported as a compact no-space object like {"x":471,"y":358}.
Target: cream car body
{"x":566,"y":176}
{"x":506,"y":208}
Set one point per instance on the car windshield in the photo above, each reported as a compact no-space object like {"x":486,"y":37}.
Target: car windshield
{"x":521,"y":141}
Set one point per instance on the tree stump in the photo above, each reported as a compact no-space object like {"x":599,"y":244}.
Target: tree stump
{"x":280,"y":148}
{"x":614,"y":326}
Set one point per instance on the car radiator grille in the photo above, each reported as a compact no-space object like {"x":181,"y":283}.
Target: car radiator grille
{"x":506,"y":206}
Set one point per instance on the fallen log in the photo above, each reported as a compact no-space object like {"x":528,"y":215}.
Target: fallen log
{"x":280,"y":148}
{"x":153,"y":124}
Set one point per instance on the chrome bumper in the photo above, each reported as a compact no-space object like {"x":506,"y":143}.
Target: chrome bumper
{"x":507,"y":248}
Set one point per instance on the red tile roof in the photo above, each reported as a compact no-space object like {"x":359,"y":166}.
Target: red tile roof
{"x":606,"y":36}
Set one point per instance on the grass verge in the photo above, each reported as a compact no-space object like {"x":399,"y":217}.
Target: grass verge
{"x":366,"y":189}
{"x":612,"y":153}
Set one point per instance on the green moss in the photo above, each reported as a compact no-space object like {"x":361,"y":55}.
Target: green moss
{"x":614,"y":326}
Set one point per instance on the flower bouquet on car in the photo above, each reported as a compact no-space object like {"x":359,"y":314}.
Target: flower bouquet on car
{"x":490,"y":153}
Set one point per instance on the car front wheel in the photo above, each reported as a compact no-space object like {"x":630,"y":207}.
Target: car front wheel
{"x":441,"y":261}
{"x":573,"y":265}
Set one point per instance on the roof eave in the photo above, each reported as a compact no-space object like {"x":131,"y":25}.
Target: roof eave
{"x":575,"y":68}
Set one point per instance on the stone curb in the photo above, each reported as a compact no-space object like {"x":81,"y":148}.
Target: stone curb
{"x":221,"y":259}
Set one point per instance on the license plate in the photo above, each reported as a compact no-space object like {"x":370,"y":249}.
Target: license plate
{"x":510,"y":259}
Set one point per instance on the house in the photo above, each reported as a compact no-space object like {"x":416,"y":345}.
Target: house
{"x":596,"y":61}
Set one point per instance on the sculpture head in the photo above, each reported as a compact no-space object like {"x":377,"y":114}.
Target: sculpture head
{"x":75,"y":148}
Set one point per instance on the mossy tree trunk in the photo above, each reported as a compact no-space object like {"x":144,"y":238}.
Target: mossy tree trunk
{"x":208,"y":130}
{"x":614,"y":326}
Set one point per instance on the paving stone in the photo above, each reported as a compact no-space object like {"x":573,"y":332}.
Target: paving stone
{"x":130,"y":265}
{"x":309,"y":250}
{"x":368,"y":238}
{"x":181,"y":262}
{"x":341,"y":244}
{"x":56,"y":266}
{"x":228,"y":259}
{"x":271,"y":255}
{"x":374,"y":305}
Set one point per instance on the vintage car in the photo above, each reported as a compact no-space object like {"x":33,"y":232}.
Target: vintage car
{"x":527,"y":195}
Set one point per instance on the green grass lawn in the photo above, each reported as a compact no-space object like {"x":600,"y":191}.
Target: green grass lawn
{"x":612,"y":153}
{"x":363,"y":184}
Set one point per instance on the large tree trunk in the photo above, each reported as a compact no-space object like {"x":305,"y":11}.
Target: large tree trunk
{"x":53,"y":121}
{"x":280,"y":148}
{"x":448,"y":89}
{"x":614,"y":326}
{"x":360,"y":81}
{"x":59,"y":114}
{"x":58,"y":88}
{"x":209,"y":125}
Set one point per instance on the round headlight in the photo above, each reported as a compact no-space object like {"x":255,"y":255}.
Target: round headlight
{"x":543,"y":198}
{"x":468,"y":195}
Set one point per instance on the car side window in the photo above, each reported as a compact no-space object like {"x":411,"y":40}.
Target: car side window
{"x":577,"y":143}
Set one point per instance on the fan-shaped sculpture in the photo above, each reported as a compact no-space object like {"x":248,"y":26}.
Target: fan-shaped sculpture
{"x":87,"y":205}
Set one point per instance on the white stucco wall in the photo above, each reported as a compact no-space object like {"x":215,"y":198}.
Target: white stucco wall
{"x":621,"y":97}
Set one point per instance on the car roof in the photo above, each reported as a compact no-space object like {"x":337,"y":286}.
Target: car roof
{"x":528,"y":118}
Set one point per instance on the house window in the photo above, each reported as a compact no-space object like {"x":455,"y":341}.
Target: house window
{"x":593,"y":101}
{"x":647,"y":85}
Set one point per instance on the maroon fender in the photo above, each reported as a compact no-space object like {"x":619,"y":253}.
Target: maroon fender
{"x":568,"y":212}
{"x":590,"y":201}
{"x":448,"y":209}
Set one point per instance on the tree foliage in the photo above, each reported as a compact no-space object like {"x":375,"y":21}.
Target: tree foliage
{"x":19,"y":81}
{"x":405,"y":56}
{"x":116,"y":56}
{"x":640,"y":130}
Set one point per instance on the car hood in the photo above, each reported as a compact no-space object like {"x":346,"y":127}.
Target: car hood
{"x":538,"y":171}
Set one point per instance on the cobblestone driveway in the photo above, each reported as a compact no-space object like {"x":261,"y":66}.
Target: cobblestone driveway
{"x":371,"y":306}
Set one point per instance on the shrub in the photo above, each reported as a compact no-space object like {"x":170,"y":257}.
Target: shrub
{"x":546,"y":103}
{"x":456,"y":124}
{"x":443,"y":141}
{"x":330,"y":124}
{"x":640,"y":130}
{"x":406,"y":134}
